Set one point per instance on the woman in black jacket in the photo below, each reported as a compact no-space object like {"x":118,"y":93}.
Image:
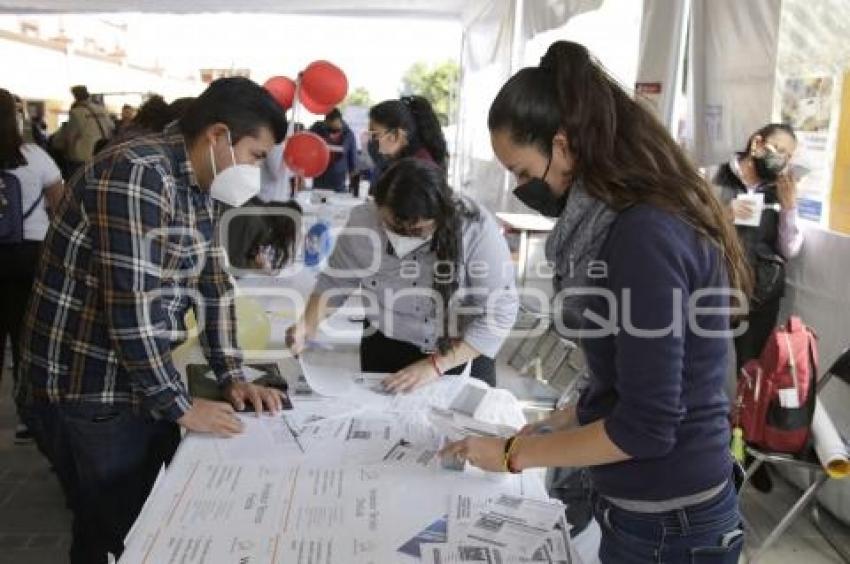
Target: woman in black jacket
{"x":769,"y":241}
{"x":762,"y":168}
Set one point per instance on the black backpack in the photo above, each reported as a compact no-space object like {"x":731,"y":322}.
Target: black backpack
{"x":12,"y":214}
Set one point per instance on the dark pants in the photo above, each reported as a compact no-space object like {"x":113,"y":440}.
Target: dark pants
{"x":71,"y":168}
{"x":706,"y":533}
{"x":106,"y":459}
{"x":379,"y":353}
{"x":762,"y":322}
{"x":19,"y":261}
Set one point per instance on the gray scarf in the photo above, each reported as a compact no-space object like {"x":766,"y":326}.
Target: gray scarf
{"x":575,"y":241}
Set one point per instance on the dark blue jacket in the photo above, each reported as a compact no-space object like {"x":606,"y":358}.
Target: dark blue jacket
{"x":662,"y":397}
{"x":342,"y":164}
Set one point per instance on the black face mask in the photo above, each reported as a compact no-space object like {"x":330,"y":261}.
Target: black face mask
{"x":769,"y":166}
{"x":537,"y":194}
{"x":378,"y":159}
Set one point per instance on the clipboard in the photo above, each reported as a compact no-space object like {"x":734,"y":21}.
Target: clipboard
{"x":201,"y":386}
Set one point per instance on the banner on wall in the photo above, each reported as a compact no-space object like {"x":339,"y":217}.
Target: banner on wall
{"x":808,"y":105}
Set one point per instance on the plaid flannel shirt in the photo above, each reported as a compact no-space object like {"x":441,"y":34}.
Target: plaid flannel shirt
{"x":131,"y":249}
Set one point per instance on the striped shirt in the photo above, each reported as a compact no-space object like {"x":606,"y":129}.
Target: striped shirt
{"x":130,"y":250}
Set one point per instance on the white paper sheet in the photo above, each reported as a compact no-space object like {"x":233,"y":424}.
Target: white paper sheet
{"x":514,"y":524}
{"x":265,"y":437}
{"x":463,"y":509}
{"x":456,"y":426}
{"x":757,"y":201}
{"x":253,"y":512}
{"x":337,"y":382}
{"x":222,"y":512}
{"x":829,"y":446}
{"x":553,"y":552}
{"x":555,"y":548}
{"x":345,"y":503}
{"x":404,"y":453}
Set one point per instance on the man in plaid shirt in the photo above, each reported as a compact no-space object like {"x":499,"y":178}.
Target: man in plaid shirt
{"x":131,"y":249}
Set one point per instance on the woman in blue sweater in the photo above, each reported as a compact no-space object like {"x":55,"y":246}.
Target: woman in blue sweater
{"x":647,"y":273}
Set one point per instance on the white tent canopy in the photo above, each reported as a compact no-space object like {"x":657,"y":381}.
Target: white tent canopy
{"x":455,"y":9}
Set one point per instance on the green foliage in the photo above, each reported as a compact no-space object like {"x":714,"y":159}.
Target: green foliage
{"x":437,"y":83}
{"x":358,"y":97}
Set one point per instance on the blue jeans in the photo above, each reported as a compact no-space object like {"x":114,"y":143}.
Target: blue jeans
{"x":106,"y":458}
{"x":706,"y":533}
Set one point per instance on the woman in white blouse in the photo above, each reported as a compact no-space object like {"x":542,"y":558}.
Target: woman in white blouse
{"x":26,"y":165}
{"x":435,"y":273}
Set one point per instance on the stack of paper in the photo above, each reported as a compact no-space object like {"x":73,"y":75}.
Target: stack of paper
{"x":455,"y":426}
{"x":516,"y":525}
{"x":506,"y":529}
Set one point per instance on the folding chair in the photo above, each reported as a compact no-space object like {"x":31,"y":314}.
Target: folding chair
{"x":808,"y":462}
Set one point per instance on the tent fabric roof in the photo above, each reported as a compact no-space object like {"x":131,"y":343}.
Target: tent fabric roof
{"x":450,"y":9}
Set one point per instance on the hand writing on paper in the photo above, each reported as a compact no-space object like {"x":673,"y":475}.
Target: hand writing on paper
{"x":260,"y":398}
{"x":486,"y":453}
{"x":216,"y":417}
{"x":411,"y":377}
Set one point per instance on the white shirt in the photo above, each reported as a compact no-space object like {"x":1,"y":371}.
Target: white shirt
{"x":275,"y":177}
{"x":400,"y":287}
{"x":39,"y":173}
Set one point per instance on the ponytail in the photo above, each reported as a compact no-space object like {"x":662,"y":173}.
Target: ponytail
{"x":416,"y":117}
{"x":428,"y":128}
{"x":622,"y":153}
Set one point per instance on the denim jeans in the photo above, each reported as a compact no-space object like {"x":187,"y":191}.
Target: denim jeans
{"x":706,"y":533}
{"x":106,"y":458}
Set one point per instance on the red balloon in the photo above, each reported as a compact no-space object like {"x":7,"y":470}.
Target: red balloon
{"x":324,"y":83}
{"x":282,"y":89}
{"x":312,"y":105}
{"x":306,"y":154}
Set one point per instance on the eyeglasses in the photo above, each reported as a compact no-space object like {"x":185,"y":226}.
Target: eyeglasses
{"x":411,"y":230}
{"x":376,"y":135}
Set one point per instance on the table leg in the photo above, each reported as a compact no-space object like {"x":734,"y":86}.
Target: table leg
{"x":523,"y":257}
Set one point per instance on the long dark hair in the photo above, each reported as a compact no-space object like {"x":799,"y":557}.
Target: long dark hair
{"x":283,"y":231}
{"x":280,"y":230}
{"x":415,"y":116}
{"x":766,"y":131}
{"x":11,"y":141}
{"x":413,"y":190}
{"x":623,"y":154}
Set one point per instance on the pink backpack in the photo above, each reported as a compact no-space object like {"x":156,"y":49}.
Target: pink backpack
{"x":776,"y":392}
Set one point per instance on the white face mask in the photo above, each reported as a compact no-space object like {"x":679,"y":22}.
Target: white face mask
{"x":236,"y":184}
{"x":403,"y":245}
